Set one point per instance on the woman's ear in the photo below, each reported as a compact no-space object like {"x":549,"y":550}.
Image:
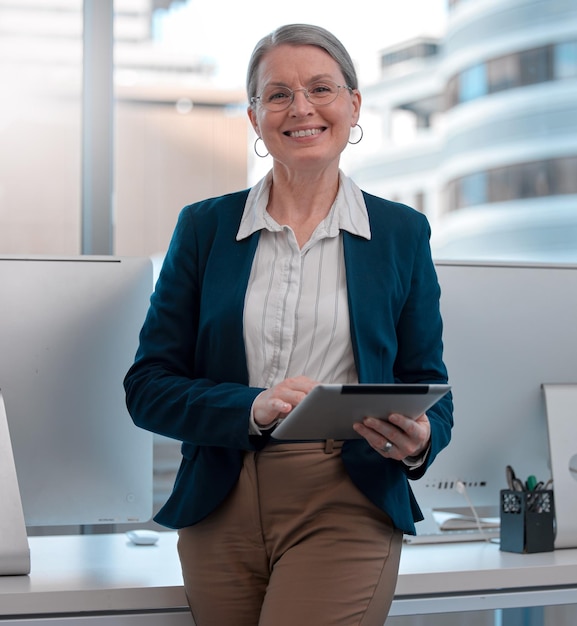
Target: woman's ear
{"x":357,"y":99}
{"x":252,"y":117}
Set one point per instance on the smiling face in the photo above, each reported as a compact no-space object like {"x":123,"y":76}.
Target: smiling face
{"x":304,"y":135}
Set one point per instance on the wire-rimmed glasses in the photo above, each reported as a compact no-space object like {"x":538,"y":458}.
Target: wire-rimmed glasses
{"x":279,"y":97}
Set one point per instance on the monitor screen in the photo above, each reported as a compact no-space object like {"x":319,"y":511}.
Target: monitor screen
{"x":508,"y":328}
{"x":68,"y":334}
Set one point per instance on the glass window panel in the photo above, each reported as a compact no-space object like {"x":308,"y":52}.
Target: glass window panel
{"x":40,"y":127}
{"x":473,"y":83}
{"x":451,"y":195}
{"x":565,"y":60}
{"x":548,"y":177}
{"x":536,"y":65}
{"x":503,"y":73}
{"x":535,"y":179}
{"x":452,"y":92}
{"x":178,"y":139}
{"x":473,"y":190}
{"x":565,"y":175}
{"x":503,"y":184}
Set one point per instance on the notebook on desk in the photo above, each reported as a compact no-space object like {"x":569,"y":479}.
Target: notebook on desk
{"x":443,"y":527}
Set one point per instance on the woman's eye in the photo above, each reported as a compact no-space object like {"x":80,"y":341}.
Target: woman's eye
{"x":278,"y":95}
{"x":320,"y":89}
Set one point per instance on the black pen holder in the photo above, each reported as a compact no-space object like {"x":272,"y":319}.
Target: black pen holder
{"x":527,"y":521}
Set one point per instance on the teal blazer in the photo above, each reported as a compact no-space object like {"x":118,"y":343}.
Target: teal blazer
{"x":189,"y":380}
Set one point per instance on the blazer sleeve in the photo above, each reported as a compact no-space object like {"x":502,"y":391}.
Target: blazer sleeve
{"x":394,"y":299}
{"x":174,"y":388}
{"x":420,"y":344}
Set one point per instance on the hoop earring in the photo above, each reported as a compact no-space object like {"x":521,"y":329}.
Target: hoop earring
{"x":354,"y":143}
{"x":262,"y":156}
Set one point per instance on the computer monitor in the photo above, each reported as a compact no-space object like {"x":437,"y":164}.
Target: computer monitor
{"x":508,"y":329}
{"x":68,"y":334}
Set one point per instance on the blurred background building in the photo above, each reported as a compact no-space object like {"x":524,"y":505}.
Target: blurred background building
{"x":479,"y":130}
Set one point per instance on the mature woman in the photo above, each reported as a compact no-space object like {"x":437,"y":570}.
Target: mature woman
{"x":263,"y":294}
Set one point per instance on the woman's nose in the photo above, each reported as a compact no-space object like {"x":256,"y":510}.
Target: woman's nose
{"x":301,"y":103}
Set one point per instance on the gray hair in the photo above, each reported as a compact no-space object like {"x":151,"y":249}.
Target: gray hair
{"x":300,"y":35}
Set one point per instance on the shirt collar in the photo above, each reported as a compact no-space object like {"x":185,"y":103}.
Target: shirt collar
{"x":348,"y":212}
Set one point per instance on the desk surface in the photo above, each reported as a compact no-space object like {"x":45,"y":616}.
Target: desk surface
{"x":106,"y":573}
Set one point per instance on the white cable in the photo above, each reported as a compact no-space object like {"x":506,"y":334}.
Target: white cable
{"x":461,"y":488}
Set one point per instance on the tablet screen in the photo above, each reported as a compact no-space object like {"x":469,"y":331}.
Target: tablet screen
{"x":329,"y":411}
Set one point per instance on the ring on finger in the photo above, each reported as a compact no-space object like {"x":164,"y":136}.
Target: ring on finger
{"x":387,"y":447}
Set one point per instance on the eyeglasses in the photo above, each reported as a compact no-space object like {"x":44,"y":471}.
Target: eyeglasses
{"x":278,"y":98}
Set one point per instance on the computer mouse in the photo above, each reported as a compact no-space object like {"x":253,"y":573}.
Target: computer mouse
{"x":143,"y":537}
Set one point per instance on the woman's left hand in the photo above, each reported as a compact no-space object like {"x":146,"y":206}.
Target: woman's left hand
{"x":397,"y":437}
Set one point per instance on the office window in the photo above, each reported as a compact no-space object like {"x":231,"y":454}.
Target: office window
{"x":175,"y":141}
{"x":565,"y":175}
{"x":503,"y":72}
{"x":521,"y":68}
{"x":535,"y":180}
{"x":528,"y":67}
{"x":171,"y":150}
{"x":40,"y":127}
{"x":178,"y":138}
{"x":547,"y":177}
{"x":473,"y":83}
{"x":472,"y":189}
{"x":451,"y":95}
{"x":536,"y":65}
{"x":503,"y":184}
{"x":565,"y":60}
{"x":418,"y":50}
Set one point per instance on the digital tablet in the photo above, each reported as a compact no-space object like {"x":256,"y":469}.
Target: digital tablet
{"x":329,"y":411}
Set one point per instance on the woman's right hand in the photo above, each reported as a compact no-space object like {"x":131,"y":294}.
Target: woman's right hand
{"x":275,"y":403}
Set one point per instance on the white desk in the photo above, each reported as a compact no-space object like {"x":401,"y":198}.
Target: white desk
{"x":103,"y":578}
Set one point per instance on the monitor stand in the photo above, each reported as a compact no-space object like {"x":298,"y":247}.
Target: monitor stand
{"x":14,"y":549}
{"x":561,"y":404}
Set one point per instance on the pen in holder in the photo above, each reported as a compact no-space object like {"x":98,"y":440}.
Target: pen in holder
{"x":527,"y":520}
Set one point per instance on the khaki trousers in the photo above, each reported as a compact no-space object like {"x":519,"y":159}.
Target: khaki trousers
{"x":295,"y":544}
